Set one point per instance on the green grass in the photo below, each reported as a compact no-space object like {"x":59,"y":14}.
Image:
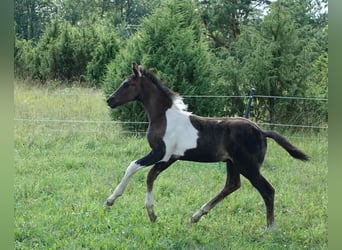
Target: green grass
{"x":65,"y":172}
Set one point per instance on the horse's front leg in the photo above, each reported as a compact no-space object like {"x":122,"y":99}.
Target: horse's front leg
{"x":151,"y":177}
{"x":150,"y":159}
{"x":131,"y":169}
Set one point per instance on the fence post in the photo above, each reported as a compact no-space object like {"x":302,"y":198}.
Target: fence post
{"x":248,"y":107}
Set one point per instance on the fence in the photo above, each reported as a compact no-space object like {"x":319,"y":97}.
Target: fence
{"x":249,"y":98}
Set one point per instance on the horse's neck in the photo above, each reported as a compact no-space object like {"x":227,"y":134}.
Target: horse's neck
{"x":156,"y":103}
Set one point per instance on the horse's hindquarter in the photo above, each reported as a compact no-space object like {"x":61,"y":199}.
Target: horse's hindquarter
{"x":221,"y":139}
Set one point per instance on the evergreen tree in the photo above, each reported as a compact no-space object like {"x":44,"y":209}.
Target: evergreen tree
{"x":170,"y":42}
{"x":274,"y":57}
{"x":105,"y":51}
{"x":223,"y":18}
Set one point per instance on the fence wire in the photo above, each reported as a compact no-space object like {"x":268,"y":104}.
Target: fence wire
{"x":110,"y":127}
{"x":146,"y":123}
{"x":184,"y":96}
{"x":111,"y":122}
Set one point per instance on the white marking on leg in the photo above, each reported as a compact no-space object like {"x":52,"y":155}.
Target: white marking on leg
{"x":180,"y":134}
{"x":202,"y":211}
{"x":131,"y":169}
{"x":149,"y":202}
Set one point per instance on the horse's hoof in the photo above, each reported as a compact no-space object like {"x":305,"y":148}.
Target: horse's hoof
{"x":193,"y":220}
{"x":196,"y":217}
{"x":270,"y":227}
{"x":153,"y":218}
{"x":108,"y":203}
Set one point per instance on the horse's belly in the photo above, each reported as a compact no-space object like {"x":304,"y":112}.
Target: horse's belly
{"x":205,"y":155}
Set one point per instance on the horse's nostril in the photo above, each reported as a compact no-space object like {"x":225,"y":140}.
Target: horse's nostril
{"x":109,"y":100}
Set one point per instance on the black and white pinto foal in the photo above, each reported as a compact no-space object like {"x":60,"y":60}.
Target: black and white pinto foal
{"x":175,"y":134}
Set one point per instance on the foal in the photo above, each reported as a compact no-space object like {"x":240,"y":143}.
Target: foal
{"x":175,"y":134}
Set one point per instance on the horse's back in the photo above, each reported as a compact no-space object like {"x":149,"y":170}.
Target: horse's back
{"x":221,"y":139}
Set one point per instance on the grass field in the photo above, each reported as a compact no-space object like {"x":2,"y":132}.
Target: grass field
{"x":66,"y":170}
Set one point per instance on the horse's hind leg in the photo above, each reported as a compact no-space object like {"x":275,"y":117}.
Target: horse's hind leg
{"x":232,"y":183}
{"x":267,"y":193}
{"x":151,"y":177}
{"x":266,"y":190}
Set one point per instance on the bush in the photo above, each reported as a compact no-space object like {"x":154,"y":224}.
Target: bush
{"x":23,"y":58}
{"x":104,"y":52}
{"x":171,"y":43}
{"x":286,"y":66}
{"x":65,"y":55}
{"x":64,"y":51}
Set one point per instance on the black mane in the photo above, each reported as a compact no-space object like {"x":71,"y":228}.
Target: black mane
{"x":156,"y":81}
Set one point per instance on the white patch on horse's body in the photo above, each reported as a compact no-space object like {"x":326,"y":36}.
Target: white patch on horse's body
{"x":178,"y":103}
{"x":180,"y":134}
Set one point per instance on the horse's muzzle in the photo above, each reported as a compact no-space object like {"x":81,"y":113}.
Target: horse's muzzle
{"x":111,"y":102}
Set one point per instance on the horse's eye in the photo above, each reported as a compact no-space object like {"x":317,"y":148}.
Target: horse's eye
{"x":125,"y":85}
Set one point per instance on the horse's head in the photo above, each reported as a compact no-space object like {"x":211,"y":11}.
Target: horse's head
{"x":129,"y":89}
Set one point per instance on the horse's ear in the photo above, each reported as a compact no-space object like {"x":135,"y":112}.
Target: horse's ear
{"x":135,"y":69}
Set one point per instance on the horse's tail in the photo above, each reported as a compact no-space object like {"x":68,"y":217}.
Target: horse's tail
{"x":291,"y":149}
